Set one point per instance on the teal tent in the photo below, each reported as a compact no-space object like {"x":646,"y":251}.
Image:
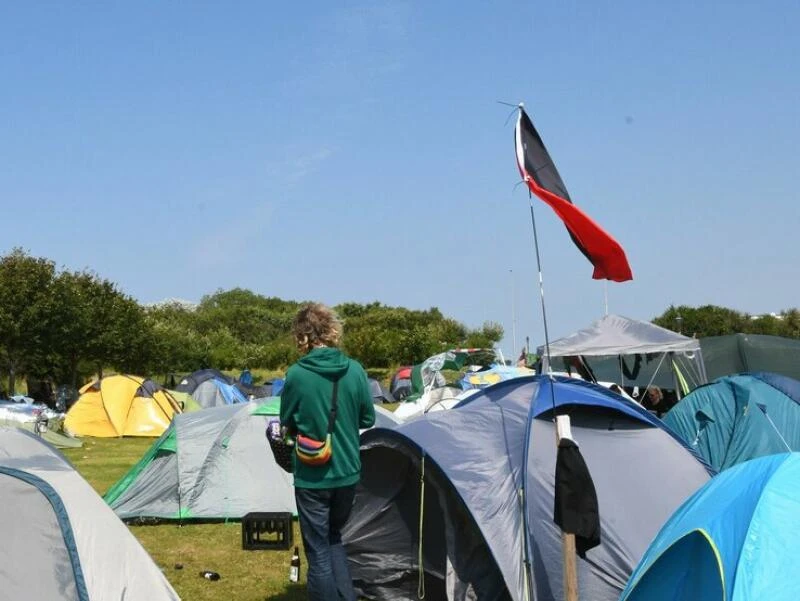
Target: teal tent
{"x":736,"y":539}
{"x":740,"y":417}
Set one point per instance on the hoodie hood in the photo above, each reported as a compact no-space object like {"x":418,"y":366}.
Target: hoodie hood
{"x":326,"y":361}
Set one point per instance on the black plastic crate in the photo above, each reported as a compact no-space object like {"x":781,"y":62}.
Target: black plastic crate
{"x":267,"y":530}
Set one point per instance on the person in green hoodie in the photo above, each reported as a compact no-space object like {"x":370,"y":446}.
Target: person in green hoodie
{"x":324,"y":493}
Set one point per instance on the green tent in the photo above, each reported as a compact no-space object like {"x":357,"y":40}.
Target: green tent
{"x":737,"y":353}
{"x":209,"y":465}
{"x":186,"y":402}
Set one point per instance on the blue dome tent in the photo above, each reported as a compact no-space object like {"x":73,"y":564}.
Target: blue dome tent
{"x":446,"y":487}
{"x":741,"y":417}
{"x":736,"y":539}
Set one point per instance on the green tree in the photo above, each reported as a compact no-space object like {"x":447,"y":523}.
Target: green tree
{"x":766,"y":324}
{"x":487,"y":336}
{"x":176,"y":344}
{"x":249,"y":317}
{"x":708,"y":320}
{"x":96,"y":325}
{"x":25,"y":313}
{"x":380,"y":336}
{"x":790,"y":324}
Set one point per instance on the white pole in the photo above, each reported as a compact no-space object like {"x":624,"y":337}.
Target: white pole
{"x":605,"y":296}
{"x":513,"y":315}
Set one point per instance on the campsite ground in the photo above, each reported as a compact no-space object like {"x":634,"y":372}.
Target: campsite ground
{"x":245,"y":575}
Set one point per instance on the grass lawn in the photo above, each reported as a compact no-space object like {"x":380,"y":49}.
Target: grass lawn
{"x":245,"y":575}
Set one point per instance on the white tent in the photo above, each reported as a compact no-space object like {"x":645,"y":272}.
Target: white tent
{"x":615,"y":336}
{"x":60,"y":540}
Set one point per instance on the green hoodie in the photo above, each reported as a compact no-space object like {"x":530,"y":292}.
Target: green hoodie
{"x":305,"y":408}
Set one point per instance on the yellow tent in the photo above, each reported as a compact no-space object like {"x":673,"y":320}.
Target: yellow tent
{"x":121,"y":406}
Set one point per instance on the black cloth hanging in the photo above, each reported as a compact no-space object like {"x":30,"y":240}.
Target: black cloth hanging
{"x":637,"y":365}
{"x":575,"y":508}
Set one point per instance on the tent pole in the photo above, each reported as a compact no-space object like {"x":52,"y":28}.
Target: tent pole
{"x":702,"y":363}
{"x":675,"y":381}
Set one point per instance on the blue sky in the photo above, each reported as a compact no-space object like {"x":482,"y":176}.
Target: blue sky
{"x":355,"y":151}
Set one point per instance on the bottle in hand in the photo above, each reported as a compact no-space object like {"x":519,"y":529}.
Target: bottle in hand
{"x":294,"y":566}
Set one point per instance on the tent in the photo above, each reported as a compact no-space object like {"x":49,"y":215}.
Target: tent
{"x":194,"y":379}
{"x":435,"y":399}
{"x":185,"y":401}
{"x":400,"y":386}
{"x":385,"y":418}
{"x":740,"y":417}
{"x":428,"y":375}
{"x":492,"y":375}
{"x":57,"y":439}
{"x":737,"y":353}
{"x":209,"y":465}
{"x":379,"y":392}
{"x":190,"y":384}
{"x":121,"y":405}
{"x":660,"y":356}
{"x":215,"y":392}
{"x":60,"y":541}
{"x":736,"y":539}
{"x":446,"y":487}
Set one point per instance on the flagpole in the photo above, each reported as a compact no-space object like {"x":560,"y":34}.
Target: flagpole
{"x":569,"y":567}
{"x":513,"y":314}
{"x":541,"y":290}
{"x":570,"y":564}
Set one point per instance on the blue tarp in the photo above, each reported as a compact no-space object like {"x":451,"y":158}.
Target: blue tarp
{"x":736,"y":539}
{"x":741,"y":417}
{"x":231,"y":394}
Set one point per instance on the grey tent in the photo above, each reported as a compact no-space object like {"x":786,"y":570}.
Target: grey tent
{"x":737,"y":353}
{"x":656,"y":353}
{"x":209,"y":465}
{"x":385,"y":418}
{"x":217,"y":393}
{"x":447,"y":486}
{"x":189,"y":383}
{"x":60,"y":541}
{"x":55,"y":438}
{"x":380,"y":394}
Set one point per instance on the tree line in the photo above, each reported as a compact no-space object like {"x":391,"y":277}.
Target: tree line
{"x":712,"y":320}
{"x":64,"y":326}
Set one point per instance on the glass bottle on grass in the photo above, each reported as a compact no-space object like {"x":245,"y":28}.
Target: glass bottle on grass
{"x":294,"y":566}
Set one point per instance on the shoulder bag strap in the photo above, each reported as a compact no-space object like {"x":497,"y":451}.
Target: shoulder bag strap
{"x":334,"y":401}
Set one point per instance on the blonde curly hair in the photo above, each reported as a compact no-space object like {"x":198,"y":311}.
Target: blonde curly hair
{"x":316,"y":325}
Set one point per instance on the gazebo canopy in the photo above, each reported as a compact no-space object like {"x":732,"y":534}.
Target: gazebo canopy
{"x":618,"y":335}
{"x":611,"y":338}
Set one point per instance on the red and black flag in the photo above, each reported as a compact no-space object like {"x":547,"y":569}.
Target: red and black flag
{"x":542,"y":178}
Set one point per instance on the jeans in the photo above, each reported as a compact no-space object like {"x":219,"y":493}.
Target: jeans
{"x":322,"y":514}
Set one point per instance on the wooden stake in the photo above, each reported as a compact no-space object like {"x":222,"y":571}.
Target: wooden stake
{"x":570,"y":564}
{"x":570,"y":567}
